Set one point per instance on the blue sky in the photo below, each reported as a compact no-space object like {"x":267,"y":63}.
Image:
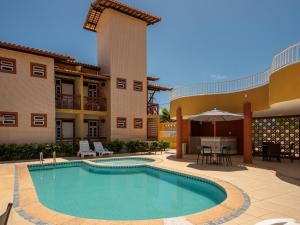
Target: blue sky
{"x":197,"y":40}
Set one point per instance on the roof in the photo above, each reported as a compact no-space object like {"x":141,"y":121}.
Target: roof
{"x":34,"y":51}
{"x":98,"y":6}
{"x":75,"y":63}
{"x":152,"y":78}
{"x":158,"y":88}
{"x":77,"y":74}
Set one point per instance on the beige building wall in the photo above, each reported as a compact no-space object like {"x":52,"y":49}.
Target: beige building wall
{"x":25,"y":94}
{"x":121,"y":49}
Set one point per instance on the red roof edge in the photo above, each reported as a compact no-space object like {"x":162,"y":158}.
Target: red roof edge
{"x":34,"y":51}
{"x":159,"y":88}
{"x":152,"y":78}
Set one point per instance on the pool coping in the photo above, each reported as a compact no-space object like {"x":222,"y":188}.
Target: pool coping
{"x":27,"y":204}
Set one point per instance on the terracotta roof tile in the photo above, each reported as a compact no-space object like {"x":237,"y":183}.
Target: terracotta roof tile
{"x":34,"y":51}
{"x":98,"y":6}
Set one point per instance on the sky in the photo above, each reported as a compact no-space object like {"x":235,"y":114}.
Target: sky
{"x":196,"y":41}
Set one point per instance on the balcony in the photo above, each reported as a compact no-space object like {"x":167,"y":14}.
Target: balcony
{"x":65,"y":101}
{"x":153,"y":109}
{"x":95,"y":104}
{"x":288,"y":56}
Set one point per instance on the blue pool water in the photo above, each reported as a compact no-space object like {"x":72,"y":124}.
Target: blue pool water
{"x":135,"y":193}
{"x":124,"y":161}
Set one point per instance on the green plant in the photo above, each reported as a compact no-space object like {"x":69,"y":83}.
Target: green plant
{"x":132,"y":146}
{"x":165,"y":116}
{"x":154,"y":146}
{"x":163,"y":145}
{"x":115,"y":146}
{"x":32,"y":151}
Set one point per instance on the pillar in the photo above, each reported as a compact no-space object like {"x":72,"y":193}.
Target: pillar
{"x":81,"y":92}
{"x":81,"y":115}
{"x":247,"y":154}
{"x":178,"y":133}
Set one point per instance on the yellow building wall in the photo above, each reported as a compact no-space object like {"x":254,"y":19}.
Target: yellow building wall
{"x":25,"y":94}
{"x":166,"y":127}
{"x":121,"y":49}
{"x":285,"y":84}
{"x":232,"y":102}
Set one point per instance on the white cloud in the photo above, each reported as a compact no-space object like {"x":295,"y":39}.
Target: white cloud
{"x":218,"y":77}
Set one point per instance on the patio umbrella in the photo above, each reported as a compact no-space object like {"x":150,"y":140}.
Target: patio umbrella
{"x":216,"y":115}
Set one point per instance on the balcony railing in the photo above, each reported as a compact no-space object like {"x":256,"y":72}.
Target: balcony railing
{"x":65,"y":101}
{"x":289,"y":56}
{"x":95,"y":104}
{"x":153,"y":109}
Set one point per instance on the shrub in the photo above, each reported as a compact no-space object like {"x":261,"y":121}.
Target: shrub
{"x":115,"y":146}
{"x":136,"y":146}
{"x":32,"y":151}
{"x":132,"y":146}
{"x":163,"y":145}
{"x":154,"y":146}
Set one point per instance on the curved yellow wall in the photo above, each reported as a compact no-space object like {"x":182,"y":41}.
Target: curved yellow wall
{"x":284,"y":85}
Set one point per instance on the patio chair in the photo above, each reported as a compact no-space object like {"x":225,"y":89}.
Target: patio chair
{"x":274,"y":151}
{"x":84,"y":149}
{"x":266,"y":146}
{"x":5,"y":215}
{"x":225,"y":155}
{"x":205,"y":152}
{"x":101,"y":150}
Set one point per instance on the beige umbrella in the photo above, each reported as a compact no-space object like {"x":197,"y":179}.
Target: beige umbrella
{"x":216,"y":115}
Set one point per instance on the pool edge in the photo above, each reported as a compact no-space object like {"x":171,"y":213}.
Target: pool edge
{"x":235,"y":204}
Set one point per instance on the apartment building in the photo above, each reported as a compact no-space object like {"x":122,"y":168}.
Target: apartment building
{"x":48,"y":97}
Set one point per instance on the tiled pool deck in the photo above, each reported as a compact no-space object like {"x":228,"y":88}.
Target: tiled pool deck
{"x":272,"y":194}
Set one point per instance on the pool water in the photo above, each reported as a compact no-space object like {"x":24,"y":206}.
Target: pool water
{"x":136,"y":193}
{"x":124,"y":161}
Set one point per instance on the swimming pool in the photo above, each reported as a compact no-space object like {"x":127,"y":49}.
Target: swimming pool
{"x":124,"y":161}
{"x":127,"y":193}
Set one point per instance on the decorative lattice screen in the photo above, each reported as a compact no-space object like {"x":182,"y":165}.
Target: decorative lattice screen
{"x":283,"y":130}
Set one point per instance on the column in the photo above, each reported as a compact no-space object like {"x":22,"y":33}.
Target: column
{"x":81,"y":93}
{"x":178,"y":133}
{"x":247,"y":154}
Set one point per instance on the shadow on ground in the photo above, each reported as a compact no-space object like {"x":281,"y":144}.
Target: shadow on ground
{"x":192,"y":160}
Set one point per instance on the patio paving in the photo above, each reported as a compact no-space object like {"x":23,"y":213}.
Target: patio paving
{"x":274,"y":188}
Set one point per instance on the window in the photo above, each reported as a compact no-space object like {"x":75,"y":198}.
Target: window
{"x":58,"y":87}
{"x":9,"y":119}
{"x":58,"y":129}
{"x":7,"y":65}
{"x":93,"y":129}
{"x":38,"y":120}
{"x":121,"y":122}
{"x":138,"y":123}
{"x":92,"y":90}
{"x":38,"y":70}
{"x":121,"y":83}
{"x":137,"y":85}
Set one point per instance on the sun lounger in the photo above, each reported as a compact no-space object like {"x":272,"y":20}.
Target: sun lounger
{"x":5,"y":215}
{"x":84,"y":149}
{"x":101,"y":150}
{"x":279,"y":221}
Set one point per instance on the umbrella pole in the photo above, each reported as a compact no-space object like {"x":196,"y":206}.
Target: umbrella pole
{"x":215,"y":129}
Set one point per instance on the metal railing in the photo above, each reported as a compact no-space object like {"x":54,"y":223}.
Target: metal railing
{"x":95,"y":104}
{"x":65,"y":101}
{"x":286,"y":57}
{"x":289,"y":56}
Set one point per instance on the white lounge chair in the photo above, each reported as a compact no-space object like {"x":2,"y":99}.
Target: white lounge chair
{"x":84,"y":149}
{"x":279,"y":221}
{"x":101,"y":150}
